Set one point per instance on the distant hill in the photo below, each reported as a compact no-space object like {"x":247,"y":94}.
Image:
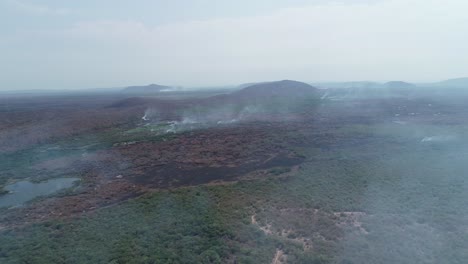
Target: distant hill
{"x":358,"y":84}
{"x":455,"y":83}
{"x":147,"y":89}
{"x":366,"y":85}
{"x":348,"y":90}
{"x":398,"y":84}
{"x":285,"y":89}
{"x":245,"y":85}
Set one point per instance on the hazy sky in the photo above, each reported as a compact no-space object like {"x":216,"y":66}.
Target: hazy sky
{"x":108,"y":43}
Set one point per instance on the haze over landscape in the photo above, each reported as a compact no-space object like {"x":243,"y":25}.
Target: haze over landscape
{"x":309,"y":132}
{"x":87,"y":44}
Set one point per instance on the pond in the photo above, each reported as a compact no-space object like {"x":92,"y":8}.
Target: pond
{"x":23,"y":191}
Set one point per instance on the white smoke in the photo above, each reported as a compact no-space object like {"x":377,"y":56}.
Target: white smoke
{"x":438,"y":139}
{"x":324,"y":96}
{"x":198,"y":118}
{"x":150,"y":113}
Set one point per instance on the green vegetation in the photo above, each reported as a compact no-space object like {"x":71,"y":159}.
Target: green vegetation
{"x":184,"y":226}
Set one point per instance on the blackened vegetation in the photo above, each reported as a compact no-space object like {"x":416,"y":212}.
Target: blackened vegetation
{"x":172,"y":175}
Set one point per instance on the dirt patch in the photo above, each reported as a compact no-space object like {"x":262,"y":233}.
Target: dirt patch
{"x":280,"y":257}
{"x":352,"y":220}
{"x":315,"y":228}
{"x":266,"y":229}
{"x":269,"y":230}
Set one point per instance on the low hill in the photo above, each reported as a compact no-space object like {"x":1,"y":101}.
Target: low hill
{"x":271,"y":93}
{"x":357,"y":85}
{"x":285,"y":88}
{"x":456,"y":83}
{"x":245,"y":85}
{"x":398,"y":84}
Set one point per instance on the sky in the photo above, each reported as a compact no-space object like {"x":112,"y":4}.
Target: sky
{"x":68,"y":44}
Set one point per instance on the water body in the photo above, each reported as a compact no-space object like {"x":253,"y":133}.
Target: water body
{"x":23,"y":191}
